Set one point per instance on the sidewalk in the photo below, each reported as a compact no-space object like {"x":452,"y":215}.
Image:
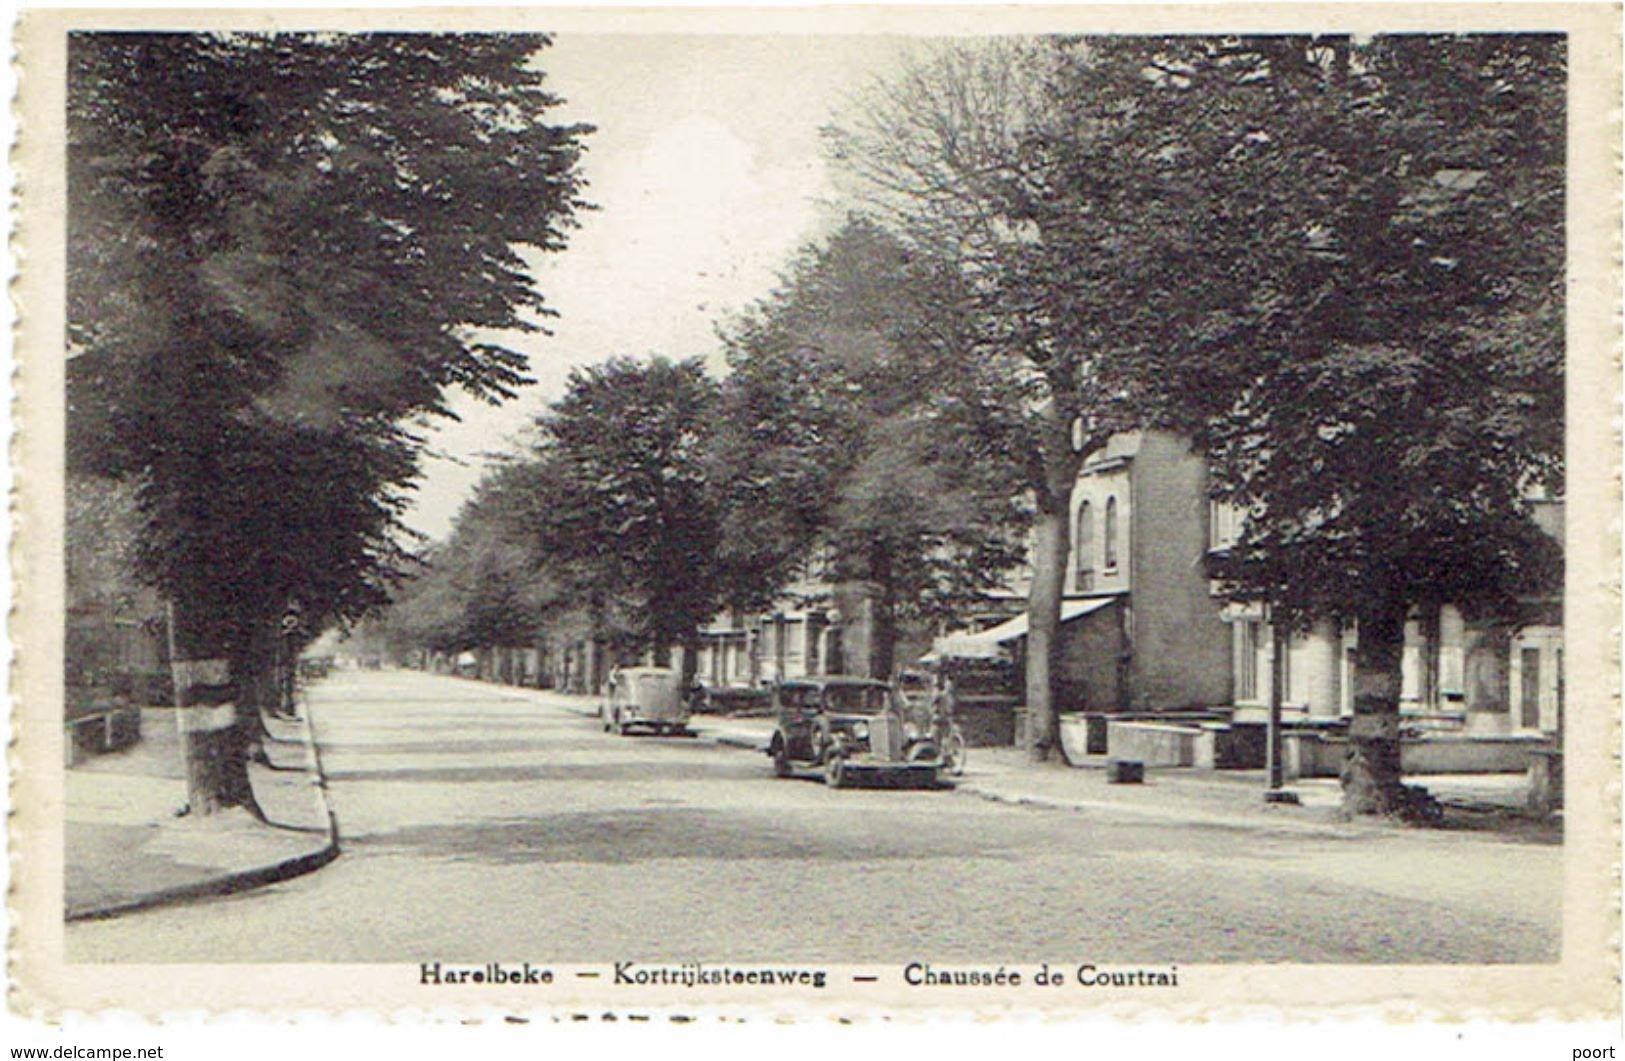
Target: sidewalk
{"x":1232,"y":798}
{"x":1223,"y":799}
{"x":125,"y":849}
{"x":1189,"y":796}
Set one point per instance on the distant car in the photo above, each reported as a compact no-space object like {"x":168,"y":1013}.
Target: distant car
{"x":313,"y":668}
{"x":650,"y":698}
{"x":850,"y":729}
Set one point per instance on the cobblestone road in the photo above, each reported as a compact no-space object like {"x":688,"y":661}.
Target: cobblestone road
{"x":480,"y":823}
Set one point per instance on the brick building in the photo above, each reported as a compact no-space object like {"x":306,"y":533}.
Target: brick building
{"x":1140,"y":628}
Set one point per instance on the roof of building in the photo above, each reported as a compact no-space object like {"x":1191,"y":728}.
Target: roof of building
{"x":1011,"y":629}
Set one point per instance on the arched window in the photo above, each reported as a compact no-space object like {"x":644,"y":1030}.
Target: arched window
{"x":1111,"y":533}
{"x":1083,"y":543}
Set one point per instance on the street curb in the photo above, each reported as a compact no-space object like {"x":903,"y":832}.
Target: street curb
{"x":1162,"y":816}
{"x":737,"y":742}
{"x":1051,"y":803}
{"x":1339,"y":831}
{"x":239,"y":880}
{"x":698,"y":733}
{"x":1150,"y":814}
{"x":228,"y":884}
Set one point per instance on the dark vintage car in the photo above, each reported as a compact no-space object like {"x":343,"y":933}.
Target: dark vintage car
{"x":851,"y":729}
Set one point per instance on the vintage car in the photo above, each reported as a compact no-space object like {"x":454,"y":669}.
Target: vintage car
{"x":851,"y":729}
{"x":647,"y":697}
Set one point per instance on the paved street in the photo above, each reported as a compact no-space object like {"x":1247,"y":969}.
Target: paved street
{"x":482,"y":823}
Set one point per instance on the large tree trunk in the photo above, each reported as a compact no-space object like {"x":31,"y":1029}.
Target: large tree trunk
{"x":1052,"y":541}
{"x":1371,"y":773}
{"x":883,"y":633}
{"x":216,"y":728}
{"x":691,"y":657}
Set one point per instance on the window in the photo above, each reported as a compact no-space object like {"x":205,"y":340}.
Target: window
{"x":1529,"y":688}
{"x":1083,"y":546}
{"x":1557,"y":667}
{"x":1246,"y":661}
{"x":1111,"y":533}
{"x":1224,"y":525}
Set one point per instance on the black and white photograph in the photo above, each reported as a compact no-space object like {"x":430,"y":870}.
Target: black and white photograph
{"x":652,"y":512}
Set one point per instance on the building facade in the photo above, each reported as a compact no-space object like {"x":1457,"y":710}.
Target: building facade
{"x":1145,"y":633}
{"x":1485,"y":676}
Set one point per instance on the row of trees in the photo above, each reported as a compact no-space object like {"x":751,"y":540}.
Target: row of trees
{"x":1335,"y":264}
{"x":283,"y":251}
{"x":655,"y":496}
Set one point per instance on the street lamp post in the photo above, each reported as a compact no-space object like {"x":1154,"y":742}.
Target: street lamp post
{"x":1276,"y":792}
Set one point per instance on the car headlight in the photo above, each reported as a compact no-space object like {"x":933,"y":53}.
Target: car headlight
{"x":860,"y":730}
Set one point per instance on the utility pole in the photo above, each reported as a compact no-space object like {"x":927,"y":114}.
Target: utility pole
{"x":1276,"y":792}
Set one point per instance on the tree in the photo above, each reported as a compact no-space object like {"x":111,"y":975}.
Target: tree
{"x":1282,"y":246}
{"x":1053,"y":174}
{"x":488,"y":584}
{"x":621,"y":506}
{"x":1386,"y":431}
{"x":283,"y":250}
{"x":838,"y":439}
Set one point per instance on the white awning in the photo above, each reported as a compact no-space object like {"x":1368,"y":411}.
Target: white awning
{"x":978,"y":643}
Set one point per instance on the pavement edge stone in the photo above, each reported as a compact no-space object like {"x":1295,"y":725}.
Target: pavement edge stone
{"x":250,"y":877}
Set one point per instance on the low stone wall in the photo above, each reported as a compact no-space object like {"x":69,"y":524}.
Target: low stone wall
{"x":105,"y":731}
{"x":1233,"y":747}
{"x":1545,"y":780}
{"x":1092,"y":732}
{"x":1221,"y":746}
{"x":1154,"y":744}
{"x":1470,"y":755}
{"x":1075,"y":737}
{"x":1314,"y":755}
{"x":1311,"y":755}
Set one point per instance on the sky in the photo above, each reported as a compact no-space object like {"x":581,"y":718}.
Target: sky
{"x":708,"y":174}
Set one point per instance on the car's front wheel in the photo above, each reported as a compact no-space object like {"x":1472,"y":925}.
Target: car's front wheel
{"x":781,"y":761}
{"x":835,"y":770}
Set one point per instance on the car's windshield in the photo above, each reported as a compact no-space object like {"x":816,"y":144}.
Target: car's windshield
{"x":856,"y":699}
{"x":798,"y":697}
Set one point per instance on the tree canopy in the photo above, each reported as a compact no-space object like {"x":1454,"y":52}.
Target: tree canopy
{"x":629,"y":515}
{"x":1389,"y":423}
{"x":1335,"y":264}
{"x":283,"y":249}
{"x":840,"y":436}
